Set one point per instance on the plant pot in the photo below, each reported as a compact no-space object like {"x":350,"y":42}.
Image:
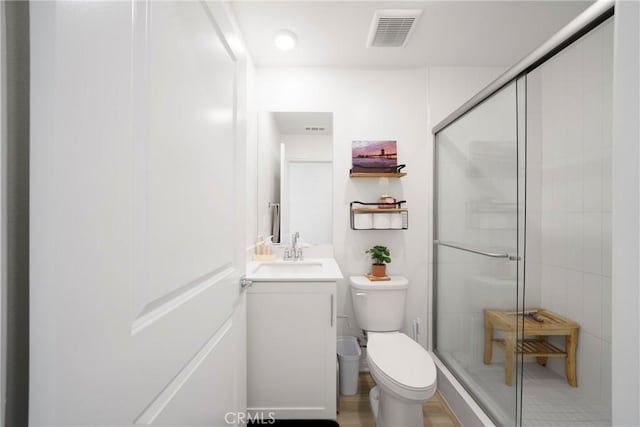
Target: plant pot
{"x":379,"y":270}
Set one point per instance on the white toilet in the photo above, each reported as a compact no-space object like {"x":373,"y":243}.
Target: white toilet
{"x":403,"y":371}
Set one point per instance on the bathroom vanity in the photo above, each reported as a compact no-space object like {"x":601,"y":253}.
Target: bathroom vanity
{"x":291,"y":338}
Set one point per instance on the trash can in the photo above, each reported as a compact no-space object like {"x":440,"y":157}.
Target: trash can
{"x":349,"y":358}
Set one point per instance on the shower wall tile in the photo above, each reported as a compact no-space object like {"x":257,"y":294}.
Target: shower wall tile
{"x":554,"y":289}
{"x":534,"y":187}
{"x":575,"y":184}
{"x":606,"y":309}
{"x":562,"y":231}
{"x":590,"y":366}
{"x":606,"y":244}
{"x":547,"y":240}
{"x":605,"y":376}
{"x":559,"y":178}
{"x":593,"y":307}
{"x":570,"y":132}
{"x":575,"y":296}
{"x":546,"y":286}
{"x":547,"y":184}
{"x":559,"y":289}
{"x":574,"y":241}
{"x":592,"y":242}
{"x":592,"y":175}
{"x":592,"y":137}
{"x":534,"y":239}
{"x":573,"y":104}
{"x":534,"y":136}
{"x":606,"y":180}
{"x":533,"y":282}
{"x":594,"y":85}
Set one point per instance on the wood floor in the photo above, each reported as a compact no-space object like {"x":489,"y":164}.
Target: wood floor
{"x":355,"y":410}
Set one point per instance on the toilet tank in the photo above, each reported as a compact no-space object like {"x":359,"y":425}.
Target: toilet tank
{"x":379,"y":306}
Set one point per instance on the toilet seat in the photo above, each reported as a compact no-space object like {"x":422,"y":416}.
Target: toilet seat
{"x":401,"y":365}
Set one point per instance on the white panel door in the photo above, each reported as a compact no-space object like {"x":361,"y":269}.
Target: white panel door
{"x":136,"y":314}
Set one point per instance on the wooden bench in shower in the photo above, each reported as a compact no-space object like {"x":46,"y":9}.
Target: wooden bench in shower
{"x":549,"y":324}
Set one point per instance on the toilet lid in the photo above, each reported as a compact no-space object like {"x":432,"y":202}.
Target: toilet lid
{"x":393,"y":284}
{"x":401,"y":359}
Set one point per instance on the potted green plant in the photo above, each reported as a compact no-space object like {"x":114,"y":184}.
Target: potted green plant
{"x":380,"y":255}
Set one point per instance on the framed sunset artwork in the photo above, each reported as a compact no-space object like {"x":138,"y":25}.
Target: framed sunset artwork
{"x":374,"y":156}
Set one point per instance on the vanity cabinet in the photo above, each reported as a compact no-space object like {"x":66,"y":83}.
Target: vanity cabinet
{"x":291,"y":346}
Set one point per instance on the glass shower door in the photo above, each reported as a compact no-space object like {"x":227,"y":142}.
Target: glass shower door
{"x":478,"y":263}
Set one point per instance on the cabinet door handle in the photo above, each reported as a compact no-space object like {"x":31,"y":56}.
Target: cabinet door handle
{"x":331,"y":310}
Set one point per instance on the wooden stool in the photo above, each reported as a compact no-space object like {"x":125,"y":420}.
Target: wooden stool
{"x":512,"y":323}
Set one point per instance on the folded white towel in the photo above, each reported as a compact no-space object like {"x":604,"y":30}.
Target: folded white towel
{"x":363,"y":221}
{"x":382,"y":221}
{"x":396,"y":221}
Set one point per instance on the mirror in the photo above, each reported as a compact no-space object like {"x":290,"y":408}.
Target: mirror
{"x":295,"y":176}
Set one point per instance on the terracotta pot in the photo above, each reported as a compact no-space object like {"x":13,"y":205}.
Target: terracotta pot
{"x":379,"y":270}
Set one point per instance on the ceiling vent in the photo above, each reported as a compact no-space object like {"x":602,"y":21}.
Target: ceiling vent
{"x":392,"y":27}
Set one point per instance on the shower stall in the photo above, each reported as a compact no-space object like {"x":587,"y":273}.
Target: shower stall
{"x":522,"y":234}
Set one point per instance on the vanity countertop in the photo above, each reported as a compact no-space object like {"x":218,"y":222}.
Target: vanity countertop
{"x":309,"y":270}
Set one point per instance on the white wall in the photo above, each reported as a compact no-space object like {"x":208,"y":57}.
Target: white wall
{"x":251,"y":163}
{"x":569,"y":190}
{"x":450,"y":87}
{"x":379,"y":104}
{"x":367,"y":105}
{"x":313,"y":148}
{"x":625,"y":216}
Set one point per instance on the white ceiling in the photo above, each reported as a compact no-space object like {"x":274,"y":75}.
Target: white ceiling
{"x":453,"y":33}
{"x":296,"y":123}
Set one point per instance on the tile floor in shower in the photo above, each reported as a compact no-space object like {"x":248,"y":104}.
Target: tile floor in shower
{"x":547,"y":398}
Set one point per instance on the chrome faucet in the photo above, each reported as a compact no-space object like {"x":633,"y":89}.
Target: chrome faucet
{"x":294,"y":252}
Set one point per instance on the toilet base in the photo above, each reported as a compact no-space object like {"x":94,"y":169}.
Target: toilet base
{"x":392,"y":411}
{"x":374,"y":397}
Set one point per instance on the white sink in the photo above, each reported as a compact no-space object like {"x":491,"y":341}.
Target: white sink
{"x":289,"y":267}
{"x":309,"y":270}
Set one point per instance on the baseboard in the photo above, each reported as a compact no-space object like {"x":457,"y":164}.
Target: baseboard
{"x":461,"y":403}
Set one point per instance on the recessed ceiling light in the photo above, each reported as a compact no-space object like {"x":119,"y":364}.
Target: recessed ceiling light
{"x":285,"y":40}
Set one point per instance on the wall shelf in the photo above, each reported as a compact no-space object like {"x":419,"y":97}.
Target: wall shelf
{"x":370,"y":216}
{"x":393,"y":172}
{"x":377,"y":174}
{"x":378,"y":210}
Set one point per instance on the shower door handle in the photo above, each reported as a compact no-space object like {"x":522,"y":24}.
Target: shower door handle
{"x":477,"y":251}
